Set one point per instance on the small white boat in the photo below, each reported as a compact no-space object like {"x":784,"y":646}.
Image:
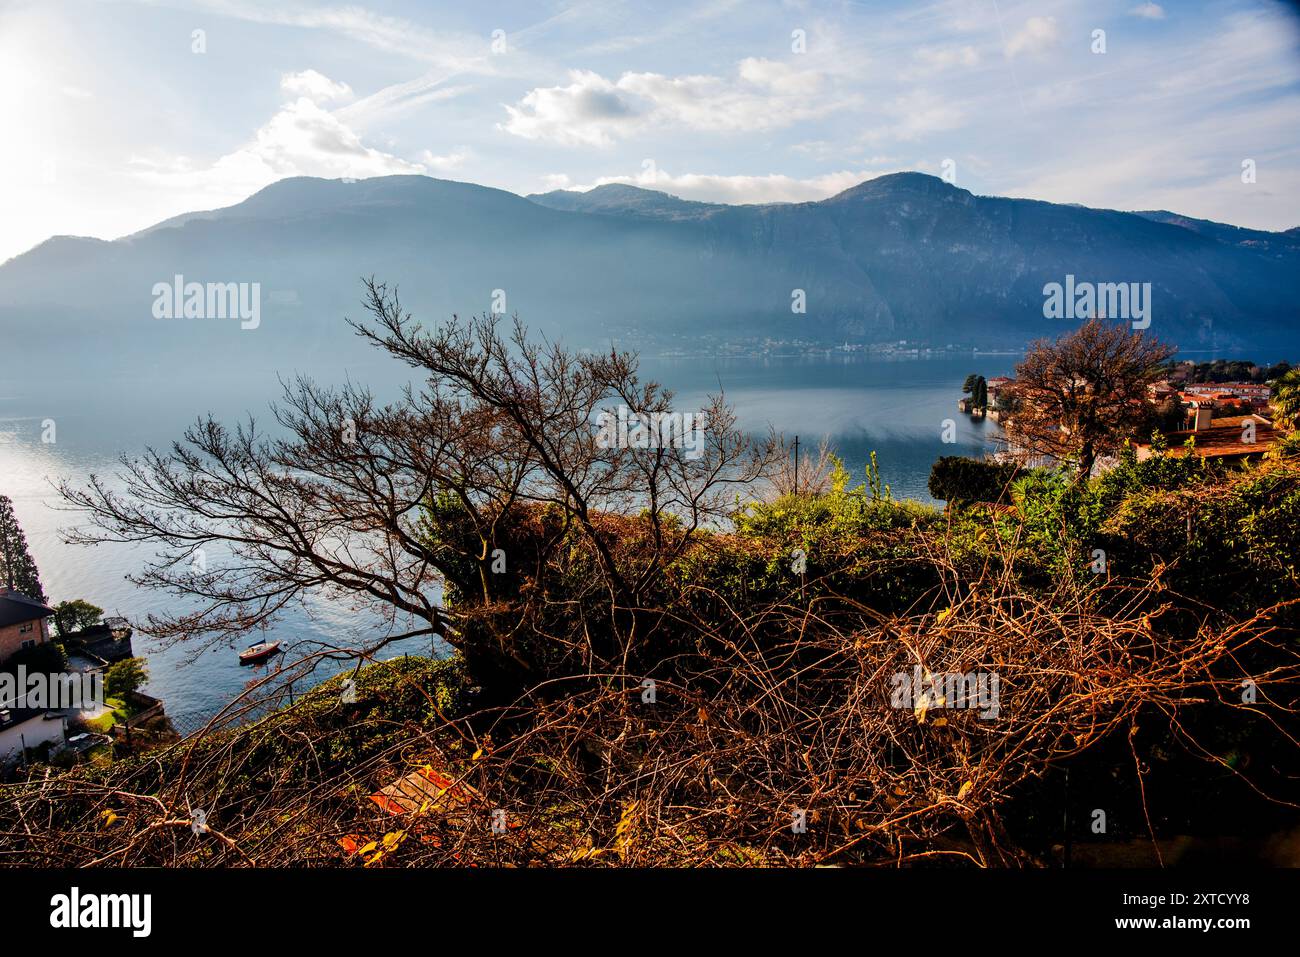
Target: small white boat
{"x":259,"y":652}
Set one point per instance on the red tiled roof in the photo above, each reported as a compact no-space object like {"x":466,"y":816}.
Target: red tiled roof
{"x":1237,"y":421}
{"x":1223,"y":441}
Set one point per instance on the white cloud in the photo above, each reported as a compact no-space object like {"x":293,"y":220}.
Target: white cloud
{"x":706,"y":187}
{"x":1128,"y":168}
{"x":957,"y":16}
{"x":302,"y":139}
{"x":939,"y":59}
{"x":817,"y":149}
{"x":781,"y":79}
{"x":393,"y":100}
{"x":594,"y":111}
{"x":354,"y":23}
{"x":446,"y":163}
{"x":1035,"y":37}
{"x":683,"y":22}
{"x":315,"y":86}
{"x":824,"y":151}
{"x":584,"y":113}
{"x":914,"y":115}
{"x":1148,"y":11}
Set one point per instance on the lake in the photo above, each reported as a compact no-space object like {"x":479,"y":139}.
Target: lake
{"x":895,"y":407}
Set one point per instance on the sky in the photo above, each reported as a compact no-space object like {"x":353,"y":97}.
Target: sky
{"x":116,"y":114}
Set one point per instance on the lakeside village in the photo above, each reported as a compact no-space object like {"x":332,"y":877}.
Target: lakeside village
{"x":1216,"y":410}
{"x":731,"y":346}
{"x":772,"y":348}
{"x":69,"y":681}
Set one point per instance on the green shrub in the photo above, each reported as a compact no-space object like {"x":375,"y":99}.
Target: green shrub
{"x":125,"y":676}
{"x":46,"y":658}
{"x":1232,"y":542}
{"x":959,"y":480}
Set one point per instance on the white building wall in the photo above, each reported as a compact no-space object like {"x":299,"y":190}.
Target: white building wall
{"x":34,"y":732}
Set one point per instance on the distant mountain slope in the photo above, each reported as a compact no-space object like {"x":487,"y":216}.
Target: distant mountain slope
{"x":905,"y":256}
{"x":618,"y":199}
{"x":1288,"y":241}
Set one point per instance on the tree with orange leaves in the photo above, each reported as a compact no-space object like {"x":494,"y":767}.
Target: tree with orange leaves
{"x":1078,"y":398}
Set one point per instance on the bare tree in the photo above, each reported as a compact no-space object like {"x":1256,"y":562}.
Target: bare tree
{"x":395,"y":507}
{"x":1079,"y":397}
{"x":811,"y":475}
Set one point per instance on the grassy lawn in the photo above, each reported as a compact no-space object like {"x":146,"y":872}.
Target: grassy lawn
{"x":104,"y":723}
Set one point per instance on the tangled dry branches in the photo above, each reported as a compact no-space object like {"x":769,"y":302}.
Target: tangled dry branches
{"x":795,"y":733}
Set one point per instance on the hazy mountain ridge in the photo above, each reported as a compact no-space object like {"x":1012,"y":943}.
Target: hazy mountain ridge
{"x":1288,"y":240}
{"x":905,"y":256}
{"x":618,"y":199}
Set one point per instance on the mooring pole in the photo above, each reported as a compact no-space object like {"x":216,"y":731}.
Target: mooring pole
{"x":796,"y":465}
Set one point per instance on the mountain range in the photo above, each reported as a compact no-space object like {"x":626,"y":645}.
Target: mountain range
{"x":901,"y":257}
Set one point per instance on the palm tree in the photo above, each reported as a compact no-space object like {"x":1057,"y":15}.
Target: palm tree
{"x":1286,"y":399}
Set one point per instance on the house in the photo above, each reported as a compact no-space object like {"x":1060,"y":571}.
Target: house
{"x":1161,"y":392}
{"x":24,"y":623}
{"x":27,"y":728}
{"x":1240,"y":437}
{"x":1244,"y":390}
{"x":1250,"y":393}
{"x":102,"y":644}
{"x":999,"y":388}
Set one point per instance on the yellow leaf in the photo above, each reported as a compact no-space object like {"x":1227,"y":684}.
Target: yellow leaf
{"x":965,"y":789}
{"x":939,"y":618}
{"x":109,"y":817}
{"x":938,"y":722}
{"x":626,"y":825}
{"x":477,"y":754}
{"x":627,"y":819}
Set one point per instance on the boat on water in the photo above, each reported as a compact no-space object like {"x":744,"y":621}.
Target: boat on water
{"x":254,"y":654}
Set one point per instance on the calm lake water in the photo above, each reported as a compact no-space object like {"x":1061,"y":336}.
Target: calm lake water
{"x":896,"y":408}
